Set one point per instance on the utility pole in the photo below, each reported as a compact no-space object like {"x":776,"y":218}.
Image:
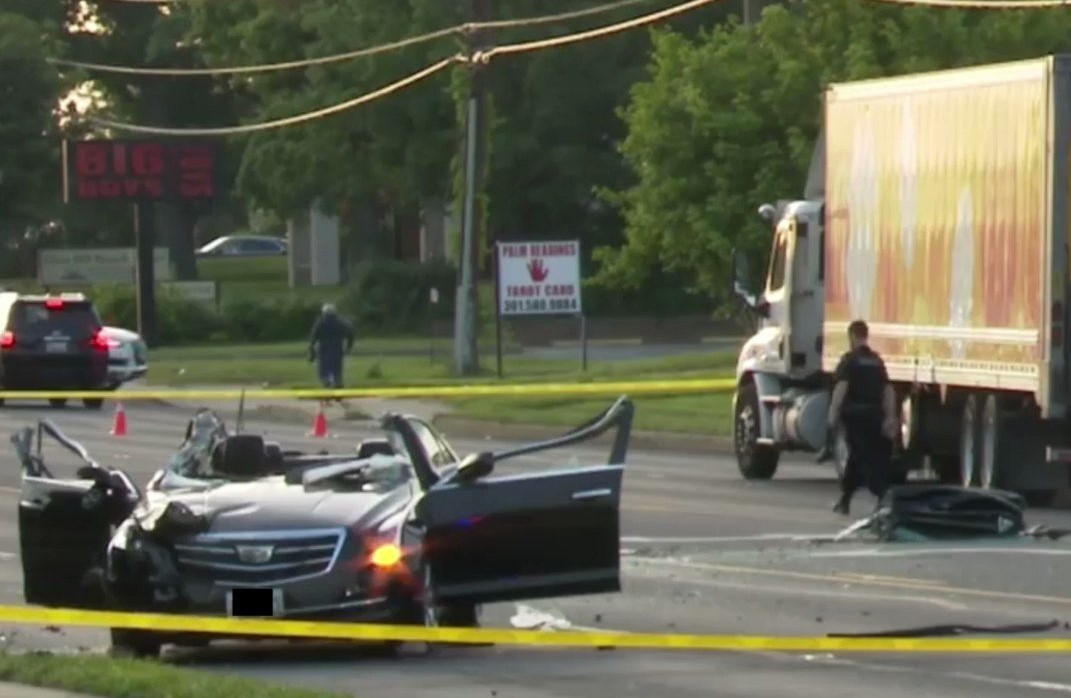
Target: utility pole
{"x":466,"y":351}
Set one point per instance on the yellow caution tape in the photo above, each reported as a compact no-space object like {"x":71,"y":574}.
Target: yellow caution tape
{"x":661,"y":387}
{"x":570,"y":638}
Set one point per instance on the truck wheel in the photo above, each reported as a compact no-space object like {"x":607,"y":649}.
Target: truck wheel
{"x":945,"y":469}
{"x":968,"y":443}
{"x":755,"y":461}
{"x":989,"y":475}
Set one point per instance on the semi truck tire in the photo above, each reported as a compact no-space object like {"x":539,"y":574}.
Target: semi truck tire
{"x":756,"y":461}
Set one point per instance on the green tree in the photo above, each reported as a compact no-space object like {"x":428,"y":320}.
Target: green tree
{"x":371,"y":165}
{"x":728,"y":120}
{"x":29,"y":178}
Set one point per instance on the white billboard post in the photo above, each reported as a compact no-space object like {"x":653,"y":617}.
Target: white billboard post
{"x":538,"y":278}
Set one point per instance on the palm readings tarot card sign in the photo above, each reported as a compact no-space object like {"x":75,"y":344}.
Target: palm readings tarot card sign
{"x":140,"y":170}
{"x":539,"y":278}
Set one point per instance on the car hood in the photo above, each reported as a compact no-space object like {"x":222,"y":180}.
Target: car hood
{"x":273,"y":504}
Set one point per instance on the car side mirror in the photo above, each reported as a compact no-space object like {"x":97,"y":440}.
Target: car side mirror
{"x":475,"y":466}
{"x":741,"y":278}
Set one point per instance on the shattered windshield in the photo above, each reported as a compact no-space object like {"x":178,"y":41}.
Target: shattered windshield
{"x":193,"y":459}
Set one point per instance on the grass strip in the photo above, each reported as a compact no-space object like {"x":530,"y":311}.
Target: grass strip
{"x":703,"y":415}
{"x":288,"y":368}
{"x":98,"y":675}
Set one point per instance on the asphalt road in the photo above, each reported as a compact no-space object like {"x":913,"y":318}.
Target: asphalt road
{"x":703,"y":552}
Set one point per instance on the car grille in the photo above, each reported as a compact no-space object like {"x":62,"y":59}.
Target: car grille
{"x":295,"y":555}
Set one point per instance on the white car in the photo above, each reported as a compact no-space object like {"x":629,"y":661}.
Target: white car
{"x":127,"y":356}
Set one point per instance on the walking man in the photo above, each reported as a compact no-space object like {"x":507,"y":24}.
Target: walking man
{"x":865,"y":403}
{"x":331,"y":339}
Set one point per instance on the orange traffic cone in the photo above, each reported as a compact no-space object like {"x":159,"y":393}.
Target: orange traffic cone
{"x":119,"y":426}
{"x":319,"y":424}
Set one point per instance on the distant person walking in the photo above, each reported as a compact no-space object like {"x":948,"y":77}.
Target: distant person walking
{"x":330,"y":341}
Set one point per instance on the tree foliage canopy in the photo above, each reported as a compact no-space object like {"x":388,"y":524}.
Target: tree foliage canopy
{"x":655,"y":145}
{"x":728,"y":120}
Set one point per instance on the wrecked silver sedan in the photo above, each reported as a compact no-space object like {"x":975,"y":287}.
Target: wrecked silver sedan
{"x":401,"y":530}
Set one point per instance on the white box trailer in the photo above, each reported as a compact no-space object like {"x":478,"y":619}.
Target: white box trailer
{"x":938,"y":214}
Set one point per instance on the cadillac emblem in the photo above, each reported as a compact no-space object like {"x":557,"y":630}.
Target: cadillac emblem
{"x":254,"y":554}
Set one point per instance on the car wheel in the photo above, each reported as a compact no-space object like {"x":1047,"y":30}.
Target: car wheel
{"x":140,"y":644}
{"x":57,"y":402}
{"x":93,"y":403}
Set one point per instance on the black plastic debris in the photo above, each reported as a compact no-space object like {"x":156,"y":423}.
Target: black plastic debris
{"x":954,"y":630}
{"x":923,"y":512}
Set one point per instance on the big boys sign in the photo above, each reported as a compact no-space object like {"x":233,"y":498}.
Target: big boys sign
{"x":539,"y":278}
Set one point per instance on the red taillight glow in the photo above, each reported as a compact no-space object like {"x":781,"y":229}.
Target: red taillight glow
{"x":386,"y":555}
{"x":7,"y":340}
{"x":99,"y":341}
{"x":54,"y":303}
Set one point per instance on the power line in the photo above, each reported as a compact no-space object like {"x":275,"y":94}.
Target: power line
{"x":465,"y":28}
{"x":598,"y":32}
{"x":261,"y":68}
{"x":288,"y":121}
{"x":483,"y":57}
{"x":983,"y":4}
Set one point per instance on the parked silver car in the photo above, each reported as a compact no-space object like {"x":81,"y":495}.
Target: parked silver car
{"x":128,"y":356}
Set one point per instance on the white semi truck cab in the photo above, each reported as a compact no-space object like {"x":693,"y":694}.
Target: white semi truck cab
{"x":782,"y":395}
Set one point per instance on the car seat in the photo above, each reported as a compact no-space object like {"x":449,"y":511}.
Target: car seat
{"x":241,"y":456}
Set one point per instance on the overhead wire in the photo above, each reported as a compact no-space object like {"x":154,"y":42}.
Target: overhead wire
{"x":598,"y":32}
{"x":464,"y":28}
{"x":983,"y":4}
{"x":416,"y":77}
{"x":405,"y":82}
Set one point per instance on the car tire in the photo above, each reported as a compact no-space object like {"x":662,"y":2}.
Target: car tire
{"x":139,"y":644}
{"x":435,"y":616}
{"x":57,"y":402}
{"x":93,"y":403}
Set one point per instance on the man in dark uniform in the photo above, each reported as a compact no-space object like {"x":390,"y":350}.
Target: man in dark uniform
{"x":864,"y":401}
{"x":331,"y":339}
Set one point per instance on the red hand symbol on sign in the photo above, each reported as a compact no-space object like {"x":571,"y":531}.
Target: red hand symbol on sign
{"x":537,"y":270}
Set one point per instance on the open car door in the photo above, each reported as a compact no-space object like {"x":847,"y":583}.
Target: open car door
{"x":65,"y":524}
{"x":524,"y":537}
{"x":539,"y":535}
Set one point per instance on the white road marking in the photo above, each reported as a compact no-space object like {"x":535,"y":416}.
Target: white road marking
{"x":533,"y":614}
{"x":962,"y":675}
{"x":786,"y":590}
{"x":725,"y":539}
{"x":912,"y":552}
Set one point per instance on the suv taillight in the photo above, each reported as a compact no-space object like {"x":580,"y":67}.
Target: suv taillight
{"x":7,"y":340}
{"x":100,"y":341}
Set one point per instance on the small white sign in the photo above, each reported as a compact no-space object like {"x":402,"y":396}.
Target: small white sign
{"x":196,"y":291}
{"x":539,"y":278}
{"x":108,"y":265}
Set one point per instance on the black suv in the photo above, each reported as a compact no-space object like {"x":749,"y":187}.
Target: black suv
{"x":52,"y":342}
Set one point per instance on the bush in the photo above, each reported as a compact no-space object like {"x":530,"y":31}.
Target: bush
{"x":178,"y":320}
{"x":659,"y":296}
{"x":393,"y":297}
{"x":276,"y":320}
